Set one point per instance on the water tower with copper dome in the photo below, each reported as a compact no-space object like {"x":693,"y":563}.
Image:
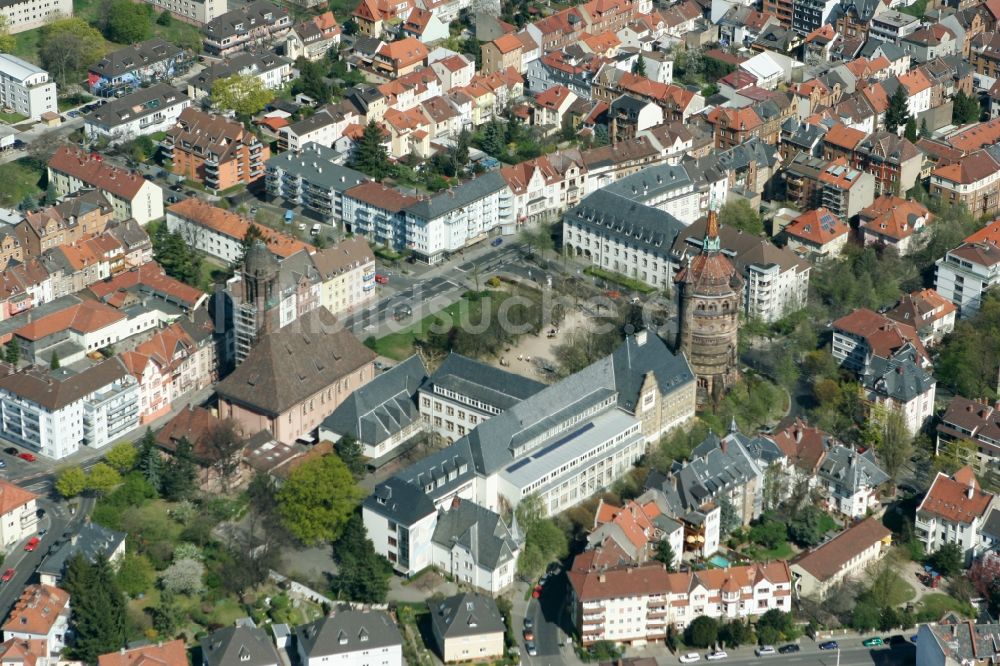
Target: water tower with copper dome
{"x":709,"y":292}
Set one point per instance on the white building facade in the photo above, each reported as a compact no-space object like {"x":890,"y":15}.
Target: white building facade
{"x":25,"y":88}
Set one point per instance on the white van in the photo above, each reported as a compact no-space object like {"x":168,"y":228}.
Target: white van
{"x":315,"y":230}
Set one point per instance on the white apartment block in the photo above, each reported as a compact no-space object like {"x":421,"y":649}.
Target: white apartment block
{"x":310,"y":176}
{"x":144,"y":112}
{"x":955,"y":510}
{"x":636,"y":605}
{"x":195,"y":12}
{"x":771,"y":292}
{"x":92,"y":408}
{"x":351,"y":638}
{"x":323,"y":127}
{"x":966,"y":273}
{"x":18,"y":514}
{"x":25,"y":15}
{"x":25,"y":88}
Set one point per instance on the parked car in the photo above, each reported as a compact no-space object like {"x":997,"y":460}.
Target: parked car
{"x":2,"y":464}
{"x":872,"y":642}
{"x":529,"y":623}
{"x":829,"y":645}
{"x":32,"y":544}
{"x":718,"y":655}
{"x":30,"y":457}
{"x":690,"y":658}
{"x":7,"y":575}
{"x":791,"y":648}
{"x":381,"y":279}
{"x":497,"y":242}
{"x":529,"y":635}
{"x":176,"y":188}
{"x":530,"y":648}
{"x":764,"y":650}
{"x":11,"y":451}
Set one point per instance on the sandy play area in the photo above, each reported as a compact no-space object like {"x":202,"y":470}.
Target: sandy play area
{"x":523,"y":358}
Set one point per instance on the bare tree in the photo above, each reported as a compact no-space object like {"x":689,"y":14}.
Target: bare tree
{"x":225,"y":443}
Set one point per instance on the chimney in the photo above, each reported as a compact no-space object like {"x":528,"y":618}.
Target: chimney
{"x":640,"y":337}
{"x":970,"y":491}
{"x":602,"y":578}
{"x":798,"y":435}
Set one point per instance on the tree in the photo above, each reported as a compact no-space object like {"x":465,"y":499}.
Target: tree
{"x":149,"y":463}
{"x":774,"y":625}
{"x":184,"y":576}
{"x":166,"y":19}
{"x":310,"y":81}
{"x":12,"y":351}
{"x":769,"y":534}
{"x":122,"y":457}
{"x":135,"y":574}
{"x":103,"y":478}
{"x":806,"y":527}
{"x":370,"y":155}
{"x":317,"y":500}
{"x":7,"y":41}
{"x":894,"y":445}
{"x":167,"y":615}
{"x":493,"y":139}
{"x":177,"y":480}
{"x":898,"y":112}
{"x":544,"y":542}
{"x":910,"y":132}
{"x":865,"y":617}
{"x":965,"y":109}
{"x":702,"y":632}
{"x":67,"y":47}
{"x":665,"y":553}
{"x":225,"y":442}
{"x":740,"y":215}
{"x":639,"y":67}
{"x":349,"y":450}
{"x":141,"y":148}
{"x":362,"y":574}
{"x":243,"y":93}
{"x":948,"y":560}
{"x":176,"y":256}
{"x":984,"y":574}
{"x":54,"y":361}
{"x":98,"y":615}
{"x":127,"y":22}
{"x":71,"y":482}
{"x":729,"y":520}
{"x":735,"y":633}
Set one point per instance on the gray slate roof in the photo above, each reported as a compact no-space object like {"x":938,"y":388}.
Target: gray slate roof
{"x":650,"y":182}
{"x":899,"y":377}
{"x":631,"y":361}
{"x":91,"y":540}
{"x":481,"y":381}
{"x":851,"y":470}
{"x":458,"y":196}
{"x":315,"y":164}
{"x":467,"y":614}
{"x":400,"y":501}
{"x":651,"y":229}
{"x":382,"y":407}
{"x":347,"y":631}
{"x":478,"y":530}
{"x":239,"y":646}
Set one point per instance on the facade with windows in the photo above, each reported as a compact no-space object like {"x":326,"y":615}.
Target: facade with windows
{"x":25,"y":88}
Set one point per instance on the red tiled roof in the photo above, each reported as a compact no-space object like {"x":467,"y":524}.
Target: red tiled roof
{"x":404,"y":52}
{"x":844,"y":136}
{"x":883,"y":335}
{"x":818,"y":226}
{"x":969,"y":170}
{"x":507,"y":43}
{"x":740,"y":119}
{"x":13,"y":497}
{"x":634,"y":520}
{"x":37,"y":610}
{"x":85,"y":317}
{"x":977,"y":136}
{"x":804,"y":445}
{"x":153,"y":276}
{"x":93,"y":170}
{"x":828,"y":560}
{"x":171,"y":653}
{"x":957,"y":498}
{"x":381,"y":196}
{"x":894,"y":217}
{"x":230,"y":224}
{"x":554,"y":97}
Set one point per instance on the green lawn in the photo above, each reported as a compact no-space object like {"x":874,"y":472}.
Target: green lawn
{"x":782,"y":551}
{"x":400,"y":345}
{"x":212,"y":271}
{"x":828,"y":524}
{"x":12,"y":118}
{"x":619,"y":279}
{"x":936,"y":604}
{"x":26,"y":45}
{"x":20,"y":179}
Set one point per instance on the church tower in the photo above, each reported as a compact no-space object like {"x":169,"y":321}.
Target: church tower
{"x":709,"y":292}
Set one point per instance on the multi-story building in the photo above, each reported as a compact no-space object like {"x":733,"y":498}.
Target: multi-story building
{"x":973,"y":181}
{"x":463,"y":393}
{"x":666,"y":187}
{"x":254,"y":23}
{"x":25,"y":88}
{"x":845,"y":191}
{"x":970,"y":422}
{"x":809,"y":15}
{"x":195,"y":12}
{"x":846,"y":556}
{"x":849,"y":481}
{"x":22,"y":15}
{"x":347,"y":274}
{"x":324,"y":127}
{"x":146,"y":111}
{"x":18,"y":514}
{"x":637,"y":604}
{"x":894,"y":222}
{"x":243,"y":643}
{"x":214,"y":150}
{"x":349,"y":637}
{"x":91,"y":408}
{"x":273,"y":72}
{"x":928,"y":311}
{"x":863,"y":333}
{"x":892,"y":26}
{"x":295,"y":376}
{"x":376,"y":211}
{"x":311,"y":178}
{"x":620,"y":235}
{"x":220,"y":233}
{"x":41,"y":613}
{"x":955,"y":511}
{"x":84,"y":213}
{"x":131,"y":195}
{"x":966,"y":273}
{"x":817,"y":233}
{"x":775,"y":280}
{"x":313,"y":38}
{"x":955,"y":640}
{"x":468,"y":626}
{"x":128,"y":68}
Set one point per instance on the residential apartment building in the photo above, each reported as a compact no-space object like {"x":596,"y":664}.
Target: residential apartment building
{"x":347,"y":273}
{"x":215,"y":151}
{"x":78,"y":215}
{"x":973,"y":181}
{"x":955,"y":510}
{"x":41,"y":613}
{"x":894,"y":222}
{"x":131,"y":195}
{"x":146,"y":111}
{"x":170,"y":653}
{"x":310,"y":177}
{"x":313,"y":38}
{"x":325,"y":127}
{"x":25,"y":15}
{"x":846,"y":556}
{"x":18,"y":514}
{"x":195,"y":12}
{"x":964,"y":274}
{"x":295,"y":376}
{"x":464,"y":393}
{"x":974,"y":422}
{"x":375,"y":211}
{"x":467,"y":626}
{"x":220,"y":233}
{"x":928,"y":311}
{"x":850,"y":481}
{"x":355,"y":637}
{"x":128,"y":68}
{"x":637,"y":604}
{"x":25,"y":88}
{"x":254,"y":23}
{"x":817,"y":233}
{"x":845,"y":191}
{"x":775,"y":280}
{"x":91,"y":408}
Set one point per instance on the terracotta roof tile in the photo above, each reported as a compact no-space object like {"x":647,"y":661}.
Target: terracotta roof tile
{"x":171,"y":653}
{"x":85,"y":317}
{"x":818,"y":226}
{"x":957,"y":498}
{"x":13,"y":497}
{"x":37,"y":610}
{"x":235,"y":226}
{"x":824,"y":562}
{"x":93,"y":170}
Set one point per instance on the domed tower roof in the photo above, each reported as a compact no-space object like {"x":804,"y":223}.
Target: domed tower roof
{"x":710,"y":273}
{"x":259,"y":262}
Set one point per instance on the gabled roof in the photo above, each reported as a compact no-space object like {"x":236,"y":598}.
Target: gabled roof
{"x":894,"y":217}
{"x":466,"y":614}
{"x":347,"y":631}
{"x":13,"y":497}
{"x":239,"y":646}
{"x":404,"y":52}
{"x":37,"y":610}
{"x":957,"y":498}
{"x":171,"y":653}
{"x":826,"y":561}
{"x":94,"y":171}
{"x":818,"y":227}
{"x":477,"y":530}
